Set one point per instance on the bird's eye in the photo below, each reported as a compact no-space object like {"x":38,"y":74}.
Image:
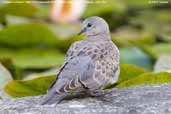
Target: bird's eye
{"x":89,"y":25}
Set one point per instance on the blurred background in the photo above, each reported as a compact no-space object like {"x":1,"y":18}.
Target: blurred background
{"x":35,"y":34}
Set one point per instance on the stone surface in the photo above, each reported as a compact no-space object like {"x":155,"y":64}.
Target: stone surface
{"x":148,"y":99}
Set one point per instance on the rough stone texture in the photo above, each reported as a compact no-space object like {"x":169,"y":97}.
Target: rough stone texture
{"x":146,"y":99}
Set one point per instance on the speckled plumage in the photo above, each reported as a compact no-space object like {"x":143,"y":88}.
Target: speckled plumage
{"x":90,"y":63}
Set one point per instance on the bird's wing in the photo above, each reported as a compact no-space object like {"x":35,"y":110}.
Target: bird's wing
{"x":70,"y":78}
{"x":69,"y":55}
{"x":60,"y":70}
{"x":73,"y":48}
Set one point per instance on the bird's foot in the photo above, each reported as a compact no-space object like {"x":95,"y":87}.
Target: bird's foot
{"x":101,"y":95}
{"x":97,"y":93}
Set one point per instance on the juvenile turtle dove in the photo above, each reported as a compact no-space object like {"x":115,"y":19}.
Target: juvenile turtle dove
{"x":89,"y":64}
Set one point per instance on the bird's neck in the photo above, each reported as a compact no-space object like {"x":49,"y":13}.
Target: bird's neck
{"x":100,"y":36}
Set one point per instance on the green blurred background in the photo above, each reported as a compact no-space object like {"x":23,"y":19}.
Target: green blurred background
{"x":32,"y":45}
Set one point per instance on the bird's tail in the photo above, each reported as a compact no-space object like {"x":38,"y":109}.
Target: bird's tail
{"x":52,"y":98}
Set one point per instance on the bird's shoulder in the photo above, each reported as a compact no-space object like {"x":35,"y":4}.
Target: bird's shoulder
{"x":73,"y":48}
{"x":96,"y":50}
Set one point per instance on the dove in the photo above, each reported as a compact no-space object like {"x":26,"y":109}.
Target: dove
{"x":89,"y":64}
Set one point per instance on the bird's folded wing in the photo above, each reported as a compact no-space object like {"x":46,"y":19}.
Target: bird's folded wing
{"x":67,"y":59}
{"x":73,"y":75}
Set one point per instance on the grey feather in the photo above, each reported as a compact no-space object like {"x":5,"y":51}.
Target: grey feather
{"x":116,"y":76}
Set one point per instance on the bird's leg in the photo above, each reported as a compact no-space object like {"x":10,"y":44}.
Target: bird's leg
{"x":75,"y":95}
{"x":96,"y":93}
{"x":100,"y":95}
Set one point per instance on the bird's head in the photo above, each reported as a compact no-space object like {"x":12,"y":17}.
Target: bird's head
{"x":94,"y":26}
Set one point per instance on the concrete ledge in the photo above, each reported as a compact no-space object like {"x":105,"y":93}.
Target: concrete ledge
{"x":147,"y":99}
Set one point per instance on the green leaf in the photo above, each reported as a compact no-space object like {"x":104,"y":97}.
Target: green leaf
{"x":43,"y":10}
{"x":2,"y":18}
{"x":23,"y":9}
{"x":147,"y":78}
{"x":27,"y":35}
{"x":159,"y":25}
{"x":100,"y":9}
{"x":8,"y":63}
{"x":33,"y":58}
{"x":31,"y":35}
{"x":33,"y":87}
{"x":17,"y":9}
{"x":138,"y":4}
{"x":155,"y":51}
{"x":128,"y":36}
{"x":127,"y":72}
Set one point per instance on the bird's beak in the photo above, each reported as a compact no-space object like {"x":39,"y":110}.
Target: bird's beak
{"x":82,"y":31}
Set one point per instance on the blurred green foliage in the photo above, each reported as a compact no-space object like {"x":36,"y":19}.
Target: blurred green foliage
{"x":129,"y":36}
{"x":25,"y":9}
{"x":33,"y":58}
{"x":33,"y":87}
{"x":155,"y":51}
{"x":159,"y":25}
{"x":148,"y":78}
{"x":129,"y":71}
{"x":135,"y":56}
{"x":27,"y":35}
{"x":141,"y":30}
